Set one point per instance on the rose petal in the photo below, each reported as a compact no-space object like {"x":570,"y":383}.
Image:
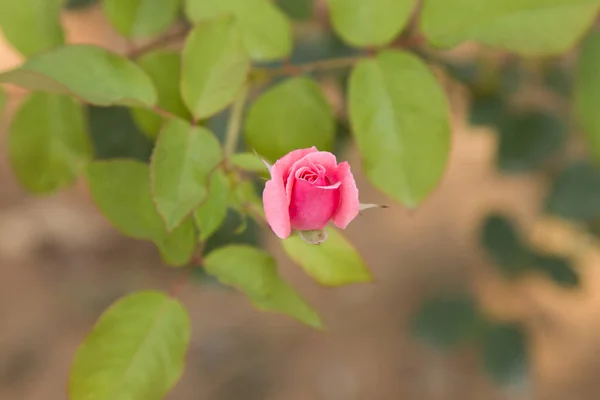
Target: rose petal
{"x":283,"y":165}
{"x":323,"y":158}
{"x":349,"y":205}
{"x":276,"y":207}
{"x":275,"y":201}
{"x":311,"y":206}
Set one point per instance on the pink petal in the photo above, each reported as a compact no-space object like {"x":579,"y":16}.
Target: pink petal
{"x":275,"y":201}
{"x":276,"y":207}
{"x":323,"y":158}
{"x":312,"y":206}
{"x":282,"y":166}
{"x":349,"y":205}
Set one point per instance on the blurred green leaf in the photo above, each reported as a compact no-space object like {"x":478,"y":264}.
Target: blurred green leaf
{"x":265,"y":30}
{"x":587,"y":92}
{"x":528,"y":140}
{"x":182,"y":161}
{"x":292,"y":115}
{"x":225,"y":235}
{"x":371,"y":23}
{"x":517,"y":25}
{"x":141,"y":18}
{"x":335,"y":262}
{"x":513,"y":258}
{"x":575,"y":193}
{"x":488,"y":110}
{"x":78,"y":4}
{"x":47,"y":143}
{"x":297,"y":9}
{"x":505,"y":354}
{"x":32,"y":26}
{"x":214,"y":67}
{"x":447,"y":320}
{"x":254,"y":272}
{"x":248,"y":162}
{"x":243,"y":195}
{"x":115,"y":135}
{"x":511,"y":77}
{"x":558,"y":269}
{"x":309,"y":48}
{"x":121,"y":190}
{"x":399,"y":115}
{"x":177,"y":248}
{"x":164,"y":68}
{"x":503,"y":244}
{"x":135,"y":351}
{"x":559,"y":80}
{"x":90,"y":73}
{"x":211,"y":214}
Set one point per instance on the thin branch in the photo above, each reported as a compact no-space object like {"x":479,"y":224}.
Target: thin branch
{"x":163,"y":113}
{"x":321,"y":65}
{"x":339,"y":63}
{"x":162,"y":41}
{"x":234,"y":123}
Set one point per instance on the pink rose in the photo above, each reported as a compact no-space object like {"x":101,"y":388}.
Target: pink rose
{"x":307,"y":189}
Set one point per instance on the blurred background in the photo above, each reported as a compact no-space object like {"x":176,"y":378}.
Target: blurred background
{"x":489,"y":290}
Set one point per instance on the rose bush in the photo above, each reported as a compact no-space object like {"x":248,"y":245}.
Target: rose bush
{"x":307,"y":189}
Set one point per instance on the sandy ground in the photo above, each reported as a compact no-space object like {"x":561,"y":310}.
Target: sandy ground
{"x":61,"y":265}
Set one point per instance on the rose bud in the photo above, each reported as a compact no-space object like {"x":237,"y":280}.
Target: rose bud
{"x":307,"y":189}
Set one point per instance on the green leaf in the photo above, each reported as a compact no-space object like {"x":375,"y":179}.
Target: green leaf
{"x":88,"y":72}
{"x":211,"y":214}
{"x":214,"y":67}
{"x":520,"y":26}
{"x":505,"y":354}
{"x":136,"y":350}
{"x":254,"y":272}
{"x":292,"y":115}
{"x":528,"y":140}
{"x":164,"y":68}
{"x":504,"y":246}
{"x":177,"y":248}
{"x":115,"y":135}
{"x":587,"y":92}
{"x":141,"y":18}
{"x":182,"y":161}
{"x":246,"y":268}
{"x":78,"y":4}
{"x":447,"y":320}
{"x":121,"y":190}
{"x":370,"y":23}
{"x":558,"y":269}
{"x":32,"y":26}
{"x":284,"y":299}
{"x":334,"y":262}
{"x":399,"y":115}
{"x":265,"y":30}
{"x":48,"y":144}
{"x":297,"y":9}
{"x":575,"y":194}
{"x":248,"y":162}
{"x":244,"y":195}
